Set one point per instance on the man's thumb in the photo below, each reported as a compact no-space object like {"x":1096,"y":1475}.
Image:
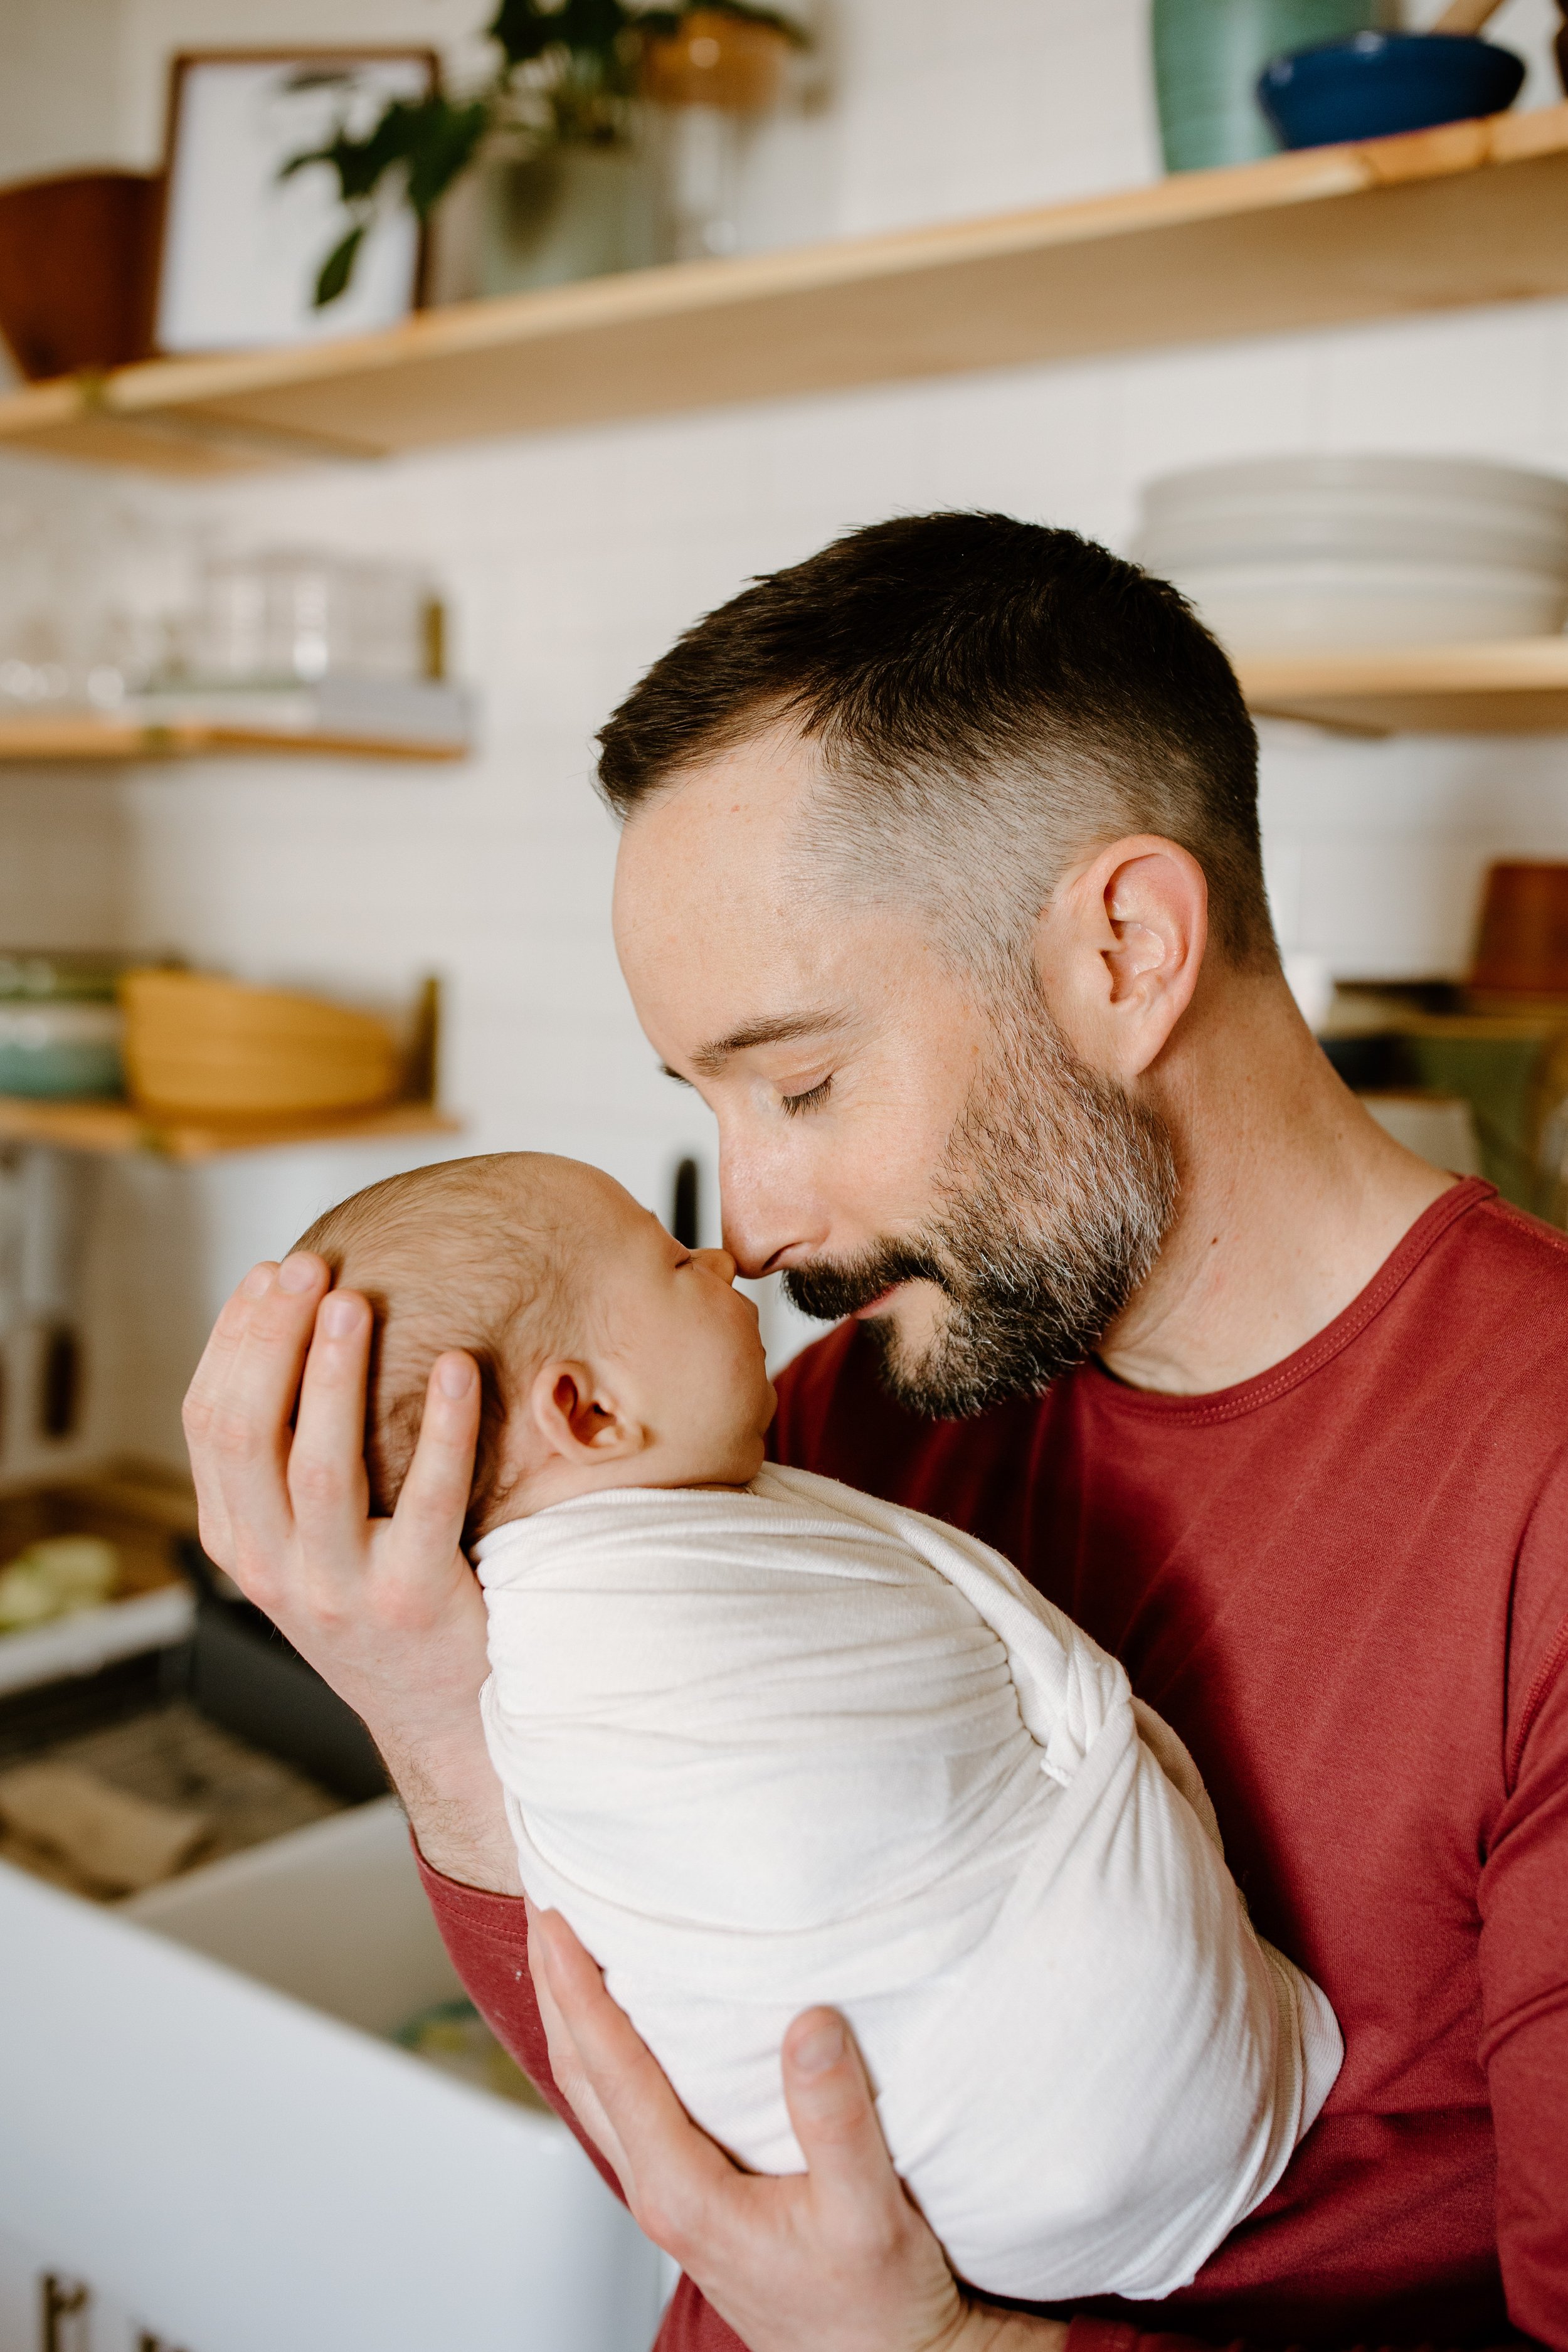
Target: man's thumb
{"x":830,"y":2104}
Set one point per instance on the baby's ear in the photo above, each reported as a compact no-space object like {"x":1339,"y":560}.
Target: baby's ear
{"x":577,"y":1418}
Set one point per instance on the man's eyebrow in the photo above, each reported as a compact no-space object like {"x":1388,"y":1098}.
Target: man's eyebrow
{"x":783,"y":1031}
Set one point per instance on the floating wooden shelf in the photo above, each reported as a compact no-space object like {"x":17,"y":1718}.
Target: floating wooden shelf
{"x":116,"y":1127}
{"x":1491,"y":688}
{"x":83,"y":738}
{"x":1474,"y":212}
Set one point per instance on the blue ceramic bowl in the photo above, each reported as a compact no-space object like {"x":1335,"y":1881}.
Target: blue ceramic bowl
{"x":1376,"y":83}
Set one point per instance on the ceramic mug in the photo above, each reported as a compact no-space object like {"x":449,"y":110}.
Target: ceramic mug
{"x":1208,"y":54}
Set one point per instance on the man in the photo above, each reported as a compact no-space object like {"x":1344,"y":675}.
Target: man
{"x":940,"y":879}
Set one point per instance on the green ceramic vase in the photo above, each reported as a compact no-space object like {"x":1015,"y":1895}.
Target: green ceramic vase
{"x":573,"y":212}
{"x":1208,"y":54}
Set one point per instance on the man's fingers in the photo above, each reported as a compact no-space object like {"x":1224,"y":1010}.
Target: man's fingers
{"x":203,"y":1397}
{"x":245,"y":1421}
{"x":668,"y":2168}
{"x":326,"y":1460}
{"x":564,"y":2063}
{"x":830,"y":2104}
{"x":434,"y":1501}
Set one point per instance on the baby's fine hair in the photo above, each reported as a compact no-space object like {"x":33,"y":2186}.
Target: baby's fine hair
{"x":471,"y":1253}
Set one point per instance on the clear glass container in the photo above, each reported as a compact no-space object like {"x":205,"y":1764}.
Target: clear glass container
{"x":291,"y":615}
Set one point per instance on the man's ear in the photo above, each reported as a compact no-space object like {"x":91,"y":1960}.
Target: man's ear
{"x":1118,"y":948}
{"x":572,"y":1417}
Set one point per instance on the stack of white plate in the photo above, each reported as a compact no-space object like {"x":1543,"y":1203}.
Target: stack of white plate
{"x":1356,"y":551}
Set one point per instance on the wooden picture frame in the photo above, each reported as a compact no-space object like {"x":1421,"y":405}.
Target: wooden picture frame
{"x":239,"y":249}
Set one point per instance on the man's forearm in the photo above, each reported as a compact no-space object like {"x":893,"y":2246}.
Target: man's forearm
{"x":454,"y":1805}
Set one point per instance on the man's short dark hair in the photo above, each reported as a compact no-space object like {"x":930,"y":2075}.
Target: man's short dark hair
{"x":990,"y":699}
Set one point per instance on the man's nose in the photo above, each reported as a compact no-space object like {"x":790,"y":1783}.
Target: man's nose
{"x":716,"y":1261}
{"x":770,"y":1215}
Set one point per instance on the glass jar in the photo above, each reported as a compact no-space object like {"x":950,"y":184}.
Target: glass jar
{"x":291,"y":615}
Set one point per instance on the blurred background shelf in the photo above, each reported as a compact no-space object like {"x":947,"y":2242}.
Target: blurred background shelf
{"x":1496,"y":688}
{"x":78,"y":737}
{"x":1471,"y":213}
{"x":116,"y":1127}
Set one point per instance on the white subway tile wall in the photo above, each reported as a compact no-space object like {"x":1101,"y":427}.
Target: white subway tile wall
{"x":571,"y":561}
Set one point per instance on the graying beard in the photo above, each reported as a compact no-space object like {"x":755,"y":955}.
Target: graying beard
{"x":1024,"y":1305}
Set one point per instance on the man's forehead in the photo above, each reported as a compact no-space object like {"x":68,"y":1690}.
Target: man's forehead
{"x":726,"y":942}
{"x":748,"y":798}
{"x":710,"y":871}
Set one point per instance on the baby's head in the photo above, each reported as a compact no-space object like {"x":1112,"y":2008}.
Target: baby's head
{"x":609,"y":1354}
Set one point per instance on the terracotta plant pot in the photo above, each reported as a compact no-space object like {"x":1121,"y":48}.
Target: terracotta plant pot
{"x":1524,"y":947}
{"x":716,"y":59}
{"x":78,"y":258}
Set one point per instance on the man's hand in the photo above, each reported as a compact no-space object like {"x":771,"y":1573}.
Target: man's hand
{"x":836,"y":2259}
{"x":387,"y":1611}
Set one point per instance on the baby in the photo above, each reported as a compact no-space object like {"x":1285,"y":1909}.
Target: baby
{"x":766,"y":1742}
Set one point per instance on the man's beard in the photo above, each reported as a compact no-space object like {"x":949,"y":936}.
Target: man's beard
{"x":1056,"y":1191}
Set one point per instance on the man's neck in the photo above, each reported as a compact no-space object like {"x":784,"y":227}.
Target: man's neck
{"x":1292,"y":1197}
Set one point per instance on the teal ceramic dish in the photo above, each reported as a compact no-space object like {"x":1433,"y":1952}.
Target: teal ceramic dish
{"x":59,"y":1049}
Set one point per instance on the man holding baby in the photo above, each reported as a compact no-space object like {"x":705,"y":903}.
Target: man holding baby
{"x":941,"y":881}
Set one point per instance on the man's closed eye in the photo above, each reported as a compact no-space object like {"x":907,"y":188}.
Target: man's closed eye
{"x":813,"y":1098}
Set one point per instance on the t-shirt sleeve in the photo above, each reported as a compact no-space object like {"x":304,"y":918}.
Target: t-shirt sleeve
{"x":1524,"y":1899}
{"x":486,"y":1937}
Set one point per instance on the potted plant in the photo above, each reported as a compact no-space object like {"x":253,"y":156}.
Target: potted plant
{"x":549,"y":141}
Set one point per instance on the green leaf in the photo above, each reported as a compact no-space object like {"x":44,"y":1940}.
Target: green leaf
{"x":447,"y":142}
{"x":429,"y":139}
{"x":527,"y":29}
{"x":524,"y":30}
{"x":339,"y":267}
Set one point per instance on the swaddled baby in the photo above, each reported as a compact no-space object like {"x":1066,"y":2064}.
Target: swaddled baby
{"x":766,"y":1742}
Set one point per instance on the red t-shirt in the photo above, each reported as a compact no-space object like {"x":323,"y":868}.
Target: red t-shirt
{"x":1346,"y":1584}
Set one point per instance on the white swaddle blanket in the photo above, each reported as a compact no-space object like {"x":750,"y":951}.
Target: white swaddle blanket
{"x":796,"y":1745}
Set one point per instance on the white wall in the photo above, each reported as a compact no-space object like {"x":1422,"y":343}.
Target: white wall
{"x":572,"y":560}
{"x":60,"y":94}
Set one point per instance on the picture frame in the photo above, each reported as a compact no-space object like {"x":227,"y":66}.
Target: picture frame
{"x":240,"y":248}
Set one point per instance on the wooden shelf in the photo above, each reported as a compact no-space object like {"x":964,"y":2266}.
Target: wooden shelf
{"x":1490,"y":688}
{"x":1474,"y":212}
{"x":80,"y":737}
{"x":116,"y":1127}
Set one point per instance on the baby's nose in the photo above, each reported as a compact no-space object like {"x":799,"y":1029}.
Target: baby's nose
{"x":716,"y":1261}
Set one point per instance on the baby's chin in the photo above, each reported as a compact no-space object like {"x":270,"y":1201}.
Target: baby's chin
{"x":752,"y":1451}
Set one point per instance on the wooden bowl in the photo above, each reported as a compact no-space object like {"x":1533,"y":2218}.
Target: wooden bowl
{"x":1523,"y":947}
{"x":197,"y":1046}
